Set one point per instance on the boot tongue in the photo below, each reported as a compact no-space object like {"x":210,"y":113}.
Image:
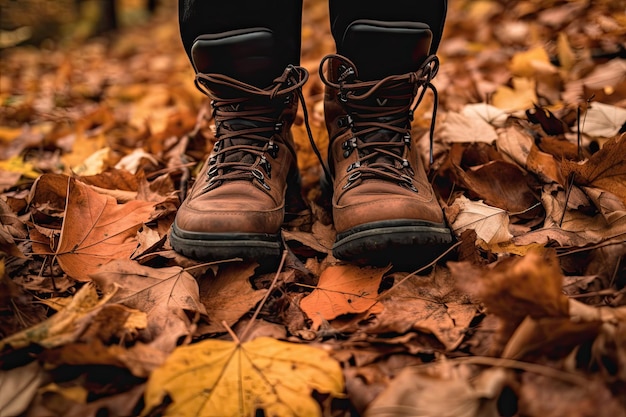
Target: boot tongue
{"x":380,"y":48}
{"x":240,"y":156}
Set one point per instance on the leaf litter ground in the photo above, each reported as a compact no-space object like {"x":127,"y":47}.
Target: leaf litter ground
{"x":524,"y":316}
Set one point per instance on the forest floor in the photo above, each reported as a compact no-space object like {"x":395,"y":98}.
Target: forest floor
{"x":524,"y":315}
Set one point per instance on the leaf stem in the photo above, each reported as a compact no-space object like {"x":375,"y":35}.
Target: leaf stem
{"x":267,"y":294}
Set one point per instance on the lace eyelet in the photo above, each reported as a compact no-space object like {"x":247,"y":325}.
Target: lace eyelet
{"x":267,"y":167}
{"x":272,"y":149}
{"x":354,"y":165}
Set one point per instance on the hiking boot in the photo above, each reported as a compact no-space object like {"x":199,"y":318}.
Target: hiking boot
{"x":384,"y":208}
{"x":237,"y":204}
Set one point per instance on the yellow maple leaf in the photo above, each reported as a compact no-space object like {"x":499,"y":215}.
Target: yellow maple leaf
{"x":217,"y":377}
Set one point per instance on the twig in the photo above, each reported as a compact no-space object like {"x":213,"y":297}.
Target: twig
{"x":568,"y":191}
{"x":524,"y":366}
{"x":231,"y":332}
{"x":223,"y":261}
{"x":267,"y":294}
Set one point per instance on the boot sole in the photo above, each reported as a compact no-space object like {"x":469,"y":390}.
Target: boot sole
{"x":400,"y":242}
{"x":220,"y":246}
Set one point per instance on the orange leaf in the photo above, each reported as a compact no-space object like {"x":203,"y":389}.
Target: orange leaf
{"x":97,"y":230}
{"x":342,"y":289}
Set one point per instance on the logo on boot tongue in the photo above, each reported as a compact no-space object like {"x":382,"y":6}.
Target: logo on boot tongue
{"x":381,"y":102}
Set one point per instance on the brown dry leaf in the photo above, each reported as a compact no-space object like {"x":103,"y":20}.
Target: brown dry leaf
{"x":229,"y":295}
{"x":140,"y":359}
{"x":96,"y":230}
{"x":415,"y":392}
{"x":596,"y":228}
{"x":552,"y":336}
{"x":164,"y":294}
{"x":11,"y":228}
{"x":514,"y":143}
{"x":64,"y":326}
{"x":544,"y":165}
{"x":342,"y":289}
{"x":217,"y":377}
{"x":430,"y":304}
{"x":70,"y":401}
{"x":516,"y":287}
{"x":548,"y":397}
{"x":606,"y":169}
{"x":500,"y":184}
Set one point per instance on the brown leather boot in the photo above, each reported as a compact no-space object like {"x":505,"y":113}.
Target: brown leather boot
{"x":384,"y":208}
{"x":237,"y":204}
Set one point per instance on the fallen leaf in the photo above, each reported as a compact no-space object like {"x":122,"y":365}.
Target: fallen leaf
{"x":605,"y":169}
{"x":544,"y":396}
{"x":229,"y":295}
{"x":490,"y":114}
{"x":461,"y":128}
{"x":607,"y":76}
{"x":64,"y":326}
{"x":490,"y":223}
{"x":18,"y":386}
{"x":544,"y":165}
{"x":163,"y":293}
{"x":517,"y":287}
{"x":501,"y":184}
{"x":96,"y":230}
{"x":68,"y":402}
{"x":603,"y":120}
{"x":342,"y":289}
{"x":515,"y":143}
{"x":552,"y":336}
{"x":430,"y":304}
{"x":217,"y":377}
{"x":525,"y":64}
{"x":521,"y":96}
{"x":417,"y":393}
{"x":11,"y":228}
{"x":140,"y":359}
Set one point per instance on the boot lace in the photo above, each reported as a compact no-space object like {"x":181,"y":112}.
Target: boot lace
{"x":247,"y":121}
{"x":380,"y":113}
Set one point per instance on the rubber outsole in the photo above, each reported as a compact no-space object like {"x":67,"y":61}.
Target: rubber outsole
{"x":400,"y":242}
{"x":220,"y":246}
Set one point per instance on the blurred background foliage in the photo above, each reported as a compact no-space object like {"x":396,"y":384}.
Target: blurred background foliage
{"x":36,"y":21}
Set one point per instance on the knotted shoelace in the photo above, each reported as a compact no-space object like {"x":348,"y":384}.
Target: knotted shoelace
{"x":380,"y":115}
{"x":247,"y":121}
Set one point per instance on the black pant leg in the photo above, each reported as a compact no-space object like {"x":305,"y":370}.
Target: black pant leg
{"x":283,"y":17}
{"x":431,"y":12}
